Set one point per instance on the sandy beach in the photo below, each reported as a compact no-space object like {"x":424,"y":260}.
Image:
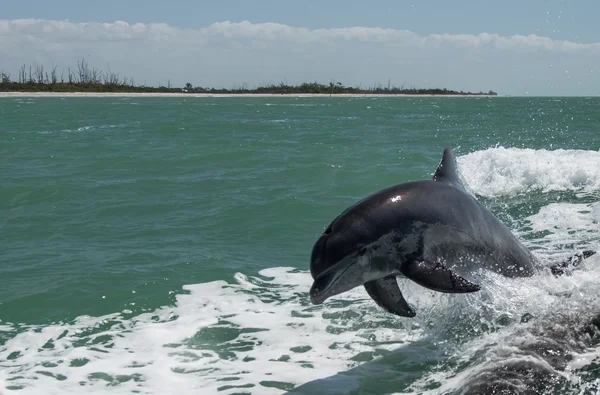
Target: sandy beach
{"x":152,"y":94}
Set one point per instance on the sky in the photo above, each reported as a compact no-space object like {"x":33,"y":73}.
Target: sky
{"x":526,"y":47}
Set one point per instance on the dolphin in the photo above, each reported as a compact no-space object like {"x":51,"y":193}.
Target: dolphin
{"x":432,"y":232}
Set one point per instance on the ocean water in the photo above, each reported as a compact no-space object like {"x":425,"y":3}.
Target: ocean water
{"x":161,"y":245}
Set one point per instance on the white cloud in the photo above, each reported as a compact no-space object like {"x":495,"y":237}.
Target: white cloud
{"x":229,"y":54}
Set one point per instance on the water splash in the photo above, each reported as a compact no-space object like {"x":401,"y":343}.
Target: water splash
{"x":509,"y":171}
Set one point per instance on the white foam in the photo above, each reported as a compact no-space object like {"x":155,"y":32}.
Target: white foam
{"x":566,"y":227}
{"x":509,"y":171}
{"x":256,"y":330}
{"x":261,"y":331}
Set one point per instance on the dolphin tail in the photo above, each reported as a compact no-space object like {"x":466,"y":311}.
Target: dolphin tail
{"x":571,"y":263}
{"x":437,"y":277}
{"x":386,"y":293}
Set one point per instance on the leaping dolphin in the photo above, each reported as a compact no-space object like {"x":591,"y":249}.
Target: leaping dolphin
{"x":431,"y":231}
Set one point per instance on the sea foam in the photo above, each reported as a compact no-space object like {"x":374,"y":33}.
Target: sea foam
{"x":257,"y":334}
{"x":508,"y":171}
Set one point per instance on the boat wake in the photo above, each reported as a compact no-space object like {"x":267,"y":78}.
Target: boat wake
{"x":259,"y":334}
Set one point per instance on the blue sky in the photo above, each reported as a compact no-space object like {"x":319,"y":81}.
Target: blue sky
{"x":516,"y":70}
{"x":558,"y":19}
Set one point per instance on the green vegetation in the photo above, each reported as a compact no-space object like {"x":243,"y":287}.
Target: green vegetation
{"x":82,"y":79}
{"x":90,"y":79}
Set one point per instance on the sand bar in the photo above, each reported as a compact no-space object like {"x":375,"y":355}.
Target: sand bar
{"x":155,"y":94}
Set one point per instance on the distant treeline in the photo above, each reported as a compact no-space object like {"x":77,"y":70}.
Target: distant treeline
{"x":81,"y":79}
{"x":91,"y":79}
{"x":334,"y":89}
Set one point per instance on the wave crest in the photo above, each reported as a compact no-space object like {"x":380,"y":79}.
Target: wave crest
{"x":510,"y":171}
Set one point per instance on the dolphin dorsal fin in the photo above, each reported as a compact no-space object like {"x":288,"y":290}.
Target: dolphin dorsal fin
{"x":447,"y":170}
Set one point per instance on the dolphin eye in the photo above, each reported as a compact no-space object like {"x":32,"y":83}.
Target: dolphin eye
{"x":362,"y":251}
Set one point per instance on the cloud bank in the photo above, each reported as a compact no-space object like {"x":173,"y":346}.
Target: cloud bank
{"x":228,"y":54}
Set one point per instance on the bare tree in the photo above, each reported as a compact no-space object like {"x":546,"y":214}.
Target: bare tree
{"x":53,"y":75}
{"x":22,"y":75}
{"x":83,"y":71}
{"x":39,"y":73}
{"x":95,"y":76}
{"x":4,"y":78}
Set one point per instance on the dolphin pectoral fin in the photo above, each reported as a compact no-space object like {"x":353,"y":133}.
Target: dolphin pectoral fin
{"x":386,"y":293}
{"x":437,"y":277}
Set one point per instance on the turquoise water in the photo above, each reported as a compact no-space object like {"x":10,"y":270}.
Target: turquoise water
{"x":154,"y":244}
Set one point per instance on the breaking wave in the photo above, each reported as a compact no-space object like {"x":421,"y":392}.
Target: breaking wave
{"x":507,"y":171}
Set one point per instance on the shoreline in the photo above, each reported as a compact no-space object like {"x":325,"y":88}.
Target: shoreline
{"x":210,"y":95}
